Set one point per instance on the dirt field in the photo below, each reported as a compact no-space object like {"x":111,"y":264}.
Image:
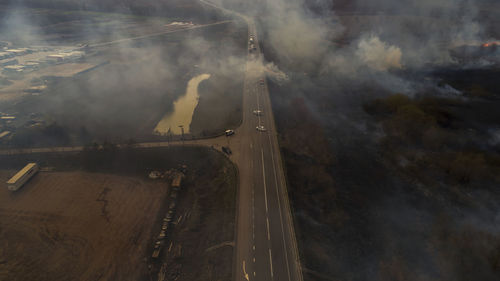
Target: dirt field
{"x":77,"y":226}
{"x":98,"y":216}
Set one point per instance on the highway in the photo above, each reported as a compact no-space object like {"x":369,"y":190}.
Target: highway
{"x":265,"y":246}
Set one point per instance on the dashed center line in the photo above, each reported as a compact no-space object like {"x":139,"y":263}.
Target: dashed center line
{"x":268,"y":234}
{"x":271,"y":262}
{"x":264,"y":178}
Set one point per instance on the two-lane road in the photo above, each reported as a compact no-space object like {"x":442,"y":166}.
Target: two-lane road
{"x":266,"y":248}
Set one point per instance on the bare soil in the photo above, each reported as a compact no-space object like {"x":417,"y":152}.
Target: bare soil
{"x":97,"y":216}
{"x":77,"y":226}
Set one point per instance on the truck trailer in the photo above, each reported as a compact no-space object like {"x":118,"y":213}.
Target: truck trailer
{"x":19,"y":179}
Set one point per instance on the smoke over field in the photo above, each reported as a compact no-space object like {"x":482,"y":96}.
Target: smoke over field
{"x":387,"y":113}
{"x":388,"y":186}
{"x":144,"y":65}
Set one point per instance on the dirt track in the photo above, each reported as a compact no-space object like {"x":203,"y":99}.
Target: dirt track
{"x":77,"y":226}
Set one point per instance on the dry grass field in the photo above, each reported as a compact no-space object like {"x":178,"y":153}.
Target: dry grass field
{"x":77,"y":226}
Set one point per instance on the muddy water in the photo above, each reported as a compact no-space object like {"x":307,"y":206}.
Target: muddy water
{"x":183,"y":110}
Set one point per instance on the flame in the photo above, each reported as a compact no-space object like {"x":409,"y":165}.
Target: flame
{"x":490,"y":44}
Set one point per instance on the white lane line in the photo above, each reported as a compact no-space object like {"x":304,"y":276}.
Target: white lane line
{"x":268,"y":234}
{"x":264,"y":177}
{"x":271,"y":262}
{"x":253,"y":213}
{"x":258,"y":106}
{"x":253,"y":204}
{"x":279,"y":208}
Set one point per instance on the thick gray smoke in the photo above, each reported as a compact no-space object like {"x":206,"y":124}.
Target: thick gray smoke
{"x":381,"y":35}
{"x":109,"y":102}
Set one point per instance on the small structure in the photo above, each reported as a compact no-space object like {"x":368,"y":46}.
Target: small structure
{"x":19,"y":179}
{"x":154,"y":175}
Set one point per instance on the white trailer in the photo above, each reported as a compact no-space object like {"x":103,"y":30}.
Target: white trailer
{"x":19,"y":179}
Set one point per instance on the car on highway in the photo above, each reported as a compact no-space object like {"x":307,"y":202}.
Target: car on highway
{"x":257,"y":112}
{"x":229,"y":132}
{"x":260,"y":128}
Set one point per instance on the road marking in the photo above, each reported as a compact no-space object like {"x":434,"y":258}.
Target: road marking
{"x":264,"y":178}
{"x":253,"y":207}
{"x":245,"y":272}
{"x":258,"y":106}
{"x":279,"y":208}
{"x":270,"y":263}
{"x":268,"y":234}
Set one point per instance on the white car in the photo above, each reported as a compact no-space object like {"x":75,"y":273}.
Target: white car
{"x":229,"y":132}
{"x":257,"y":112}
{"x":260,"y":128}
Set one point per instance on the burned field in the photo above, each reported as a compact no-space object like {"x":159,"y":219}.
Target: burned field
{"x":394,"y":188}
{"x":387,"y":185}
{"x":93,"y":215}
{"x":73,"y":225}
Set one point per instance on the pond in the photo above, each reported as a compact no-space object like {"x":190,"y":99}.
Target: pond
{"x":183,"y":111}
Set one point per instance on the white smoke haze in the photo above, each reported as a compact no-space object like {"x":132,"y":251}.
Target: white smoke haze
{"x":273,"y":72}
{"x":148,"y":73}
{"x":296,"y":35}
{"x":377,"y":54}
{"x":17,"y":27}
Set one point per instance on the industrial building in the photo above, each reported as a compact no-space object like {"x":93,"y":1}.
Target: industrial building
{"x":19,"y":179}
{"x":18,"y":52}
{"x":14,"y":69}
{"x":5,"y":55}
{"x":6,"y":118}
{"x":4,"y":134}
{"x":63,"y":57}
